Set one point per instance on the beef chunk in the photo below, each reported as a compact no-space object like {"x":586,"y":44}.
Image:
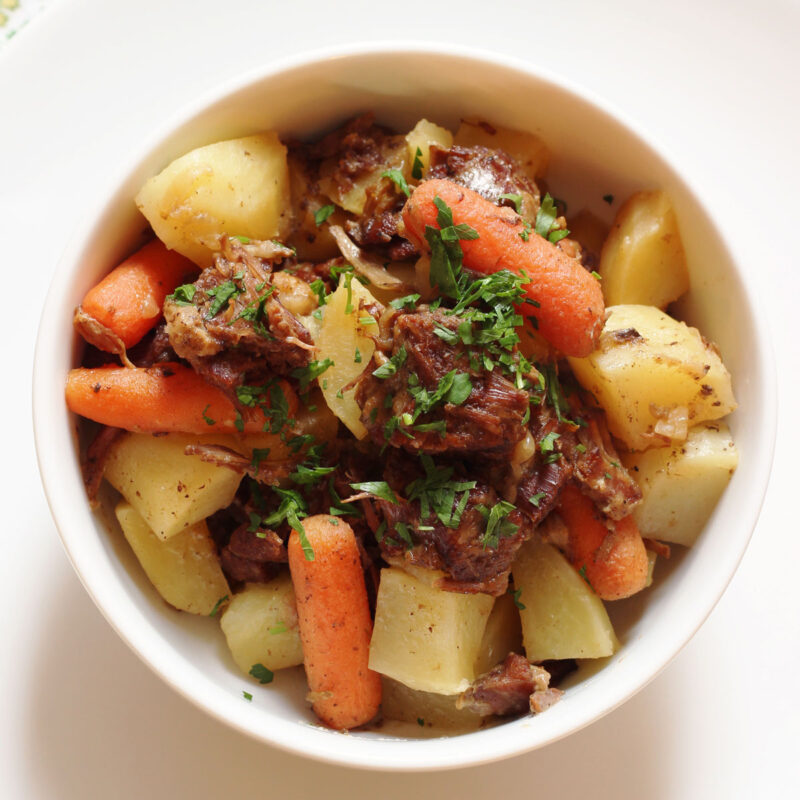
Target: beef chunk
{"x":489,"y":420}
{"x":490,"y":173}
{"x":513,"y":687}
{"x":237,"y":330}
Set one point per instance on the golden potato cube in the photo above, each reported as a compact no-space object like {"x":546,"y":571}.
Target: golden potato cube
{"x":184,"y":570}
{"x":260,"y":626}
{"x":642,"y":261}
{"x":343,"y":338}
{"x":424,"y":135}
{"x":169,"y":489}
{"x":425,"y":637}
{"x":563,"y":617}
{"x":427,"y":709}
{"x":681,"y":484}
{"x":503,"y":635}
{"x":235,"y":187}
{"x":526,"y":148}
{"x":654,"y":377}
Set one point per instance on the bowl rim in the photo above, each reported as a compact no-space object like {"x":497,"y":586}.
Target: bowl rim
{"x":305,"y":739}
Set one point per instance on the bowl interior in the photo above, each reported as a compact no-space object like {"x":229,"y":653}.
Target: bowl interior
{"x":593,"y":154}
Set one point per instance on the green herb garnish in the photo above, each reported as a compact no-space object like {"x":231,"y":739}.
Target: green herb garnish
{"x":323,"y":214}
{"x":261,"y":673}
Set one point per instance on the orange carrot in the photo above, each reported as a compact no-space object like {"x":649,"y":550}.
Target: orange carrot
{"x":335,"y":623}
{"x":570,"y":302}
{"x":611,"y":555}
{"x":127,"y":303}
{"x":163,"y":398}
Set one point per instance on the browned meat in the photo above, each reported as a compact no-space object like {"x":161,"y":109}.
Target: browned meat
{"x":237,"y":330}
{"x":513,"y":687}
{"x":489,"y":420}
{"x":153,"y":349}
{"x":94,"y":461}
{"x":490,"y":173}
{"x":250,"y":558}
{"x":472,"y":560}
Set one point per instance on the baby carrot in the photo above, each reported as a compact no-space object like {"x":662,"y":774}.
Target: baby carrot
{"x":610,"y":555}
{"x":163,"y":398}
{"x":335,"y":623}
{"x":127,"y":303}
{"x":568,"y":301}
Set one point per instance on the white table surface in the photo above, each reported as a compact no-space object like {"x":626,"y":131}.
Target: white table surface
{"x":80,"y":716}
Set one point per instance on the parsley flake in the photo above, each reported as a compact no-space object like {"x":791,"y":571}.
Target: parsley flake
{"x":208,"y":419}
{"x":379,"y":489}
{"x":261,"y":673}
{"x":416,"y":168}
{"x":214,"y":611}
{"x":323,"y":214}
{"x":183,"y":295}
{"x":399,"y":181}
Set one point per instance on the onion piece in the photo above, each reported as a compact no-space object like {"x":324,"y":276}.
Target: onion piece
{"x":374,"y":271}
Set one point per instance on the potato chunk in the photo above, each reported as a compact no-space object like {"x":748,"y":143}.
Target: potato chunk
{"x":427,"y":709}
{"x":654,"y":377}
{"x":169,"y":489}
{"x":260,"y":626}
{"x":342,"y":338}
{"x":240,"y":186}
{"x":424,"y":135}
{"x":682,"y":484}
{"x":503,"y":635}
{"x":642,"y":260}
{"x":527,"y":149}
{"x":563,"y":617}
{"x":425,"y":637}
{"x":185,"y":570}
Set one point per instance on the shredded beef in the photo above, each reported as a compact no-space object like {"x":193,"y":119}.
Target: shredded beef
{"x":225,"y":347}
{"x":513,"y":687}
{"x":488,"y":421}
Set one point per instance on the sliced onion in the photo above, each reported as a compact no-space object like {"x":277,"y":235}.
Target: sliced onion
{"x":372,"y":270}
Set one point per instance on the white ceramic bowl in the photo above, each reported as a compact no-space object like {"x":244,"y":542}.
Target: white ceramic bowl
{"x":595,"y":152}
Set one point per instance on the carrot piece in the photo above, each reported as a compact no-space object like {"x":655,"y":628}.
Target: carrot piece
{"x":570,"y":312}
{"x":127,"y":303}
{"x":611,"y":555}
{"x":335,"y":623}
{"x":163,"y":398}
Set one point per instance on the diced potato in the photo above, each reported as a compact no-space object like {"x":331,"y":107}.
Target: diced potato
{"x":503,"y":635}
{"x":422,"y":137}
{"x":321,"y":424}
{"x":352,"y":196}
{"x":425,"y":637}
{"x":260,"y":626}
{"x":643,"y":260}
{"x":527,"y":149}
{"x":563,"y":617}
{"x":426,"y":708}
{"x":169,"y":489}
{"x":313,"y":242}
{"x":342,"y":339}
{"x":654,"y":376}
{"x":238,"y":187}
{"x":185,"y":570}
{"x":682,"y":484}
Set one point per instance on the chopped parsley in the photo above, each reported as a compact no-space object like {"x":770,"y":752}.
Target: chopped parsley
{"x":247,"y":696}
{"x":515,"y":594}
{"x":609,"y":198}
{"x":516,"y":199}
{"x":399,"y":181}
{"x":416,"y":167}
{"x":525,"y":233}
{"x":304,"y":474}
{"x":392,"y":365}
{"x":259,"y":454}
{"x":446,"y":253}
{"x":279,"y":627}
{"x":404,"y":533}
{"x":208,"y":419}
{"x":357,"y":355}
{"x":307,"y":374}
{"x":292,"y":509}
{"x":438,"y":494}
{"x":261,"y":673}
{"x":323,"y":214}
{"x":379,"y":489}
{"x":497,"y":523}
{"x":222,"y":295}
{"x":582,"y":573}
{"x":596,"y":274}
{"x":546,"y":220}
{"x":320,"y":290}
{"x":244,"y":239}
{"x":214,"y":611}
{"x":547,"y":444}
{"x":183,"y":295}
{"x":407,"y":302}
